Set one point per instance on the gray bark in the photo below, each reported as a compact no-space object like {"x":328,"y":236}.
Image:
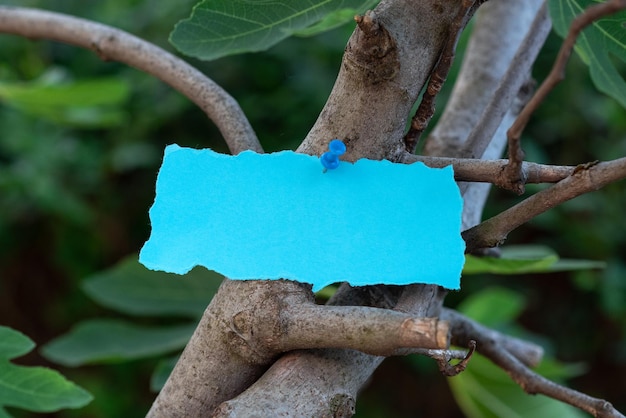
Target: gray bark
{"x":387,"y":62}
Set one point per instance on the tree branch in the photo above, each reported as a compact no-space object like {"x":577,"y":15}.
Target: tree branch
{"x":508,"y":87}
{"x":490,"y":171}
{"x":534,"y":383}
{"x":386,"y":64}
{"x":493,"y":53}
{"x":380,"y":332}
{"x":493,"y":49}
{"x":584,"y":179}
{"x":515,"y":357}
{"x":443,"y":358}
{"x":114,"y":44}
{"x":384,"y":68}
{"x":218,"y":351}
{"x":279,"y":316}
{"x":438,"y":76}
{"x":513,"y":169}
{"x":464,"y":329}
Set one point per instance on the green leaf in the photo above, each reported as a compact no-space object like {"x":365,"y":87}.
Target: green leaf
{"x":493,"y":306}
{"x":522,"y":259}
{"x":131,"y":288}
{"x":484,"y":390}
{"x":513,"y":260}
{"x":92,"y":103}
{"x":567,"y":265}
{"x":105,"y":341}
{"x":37,"y":389}
{"x":218,"y":28}
{"x":596,"y":44}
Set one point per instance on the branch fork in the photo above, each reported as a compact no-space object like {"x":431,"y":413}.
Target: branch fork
{"x":513,"y":170}
{"x":438,"y":76}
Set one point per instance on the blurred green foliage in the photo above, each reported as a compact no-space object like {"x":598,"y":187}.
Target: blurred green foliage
{"x":74,"y":199}
{"x":484,"y":390}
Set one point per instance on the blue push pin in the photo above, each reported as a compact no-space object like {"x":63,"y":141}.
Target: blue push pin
{"x":330,"y":159}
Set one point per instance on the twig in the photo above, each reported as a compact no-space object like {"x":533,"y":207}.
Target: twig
{"x":426,"y":109}
{"x":439,"y":354}
{"x":534,"y":383}
{"x":584,"y":179}
{"x":509,"y":86}
{"x":499,"y":349}
{"x":444,"y":357}
{"x":490,"y":171}
{"x":450,"y":370}
{"x":380,"y":332}
{"x":464,"y":329}
{"x":513,"y":170}
{"x":114,"y":44}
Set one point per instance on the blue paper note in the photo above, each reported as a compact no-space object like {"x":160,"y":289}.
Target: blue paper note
{"x":279,"y":216}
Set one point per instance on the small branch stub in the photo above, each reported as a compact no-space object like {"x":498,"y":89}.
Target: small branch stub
{"x":372,"y":51}
{"x":593,"y":13}
{"x":450,"y":370}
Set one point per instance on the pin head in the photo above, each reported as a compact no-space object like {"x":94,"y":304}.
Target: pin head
{"x":330,"y":159}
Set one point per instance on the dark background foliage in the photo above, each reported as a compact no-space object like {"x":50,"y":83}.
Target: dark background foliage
{"x":74,"y":200}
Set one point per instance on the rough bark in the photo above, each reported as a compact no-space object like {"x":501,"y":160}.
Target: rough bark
{"x":384,"y":68}
{"x":218,"y":361}
{"x":368,"y":109}
{"x":370,"y":117}
{"x":387,"y":62}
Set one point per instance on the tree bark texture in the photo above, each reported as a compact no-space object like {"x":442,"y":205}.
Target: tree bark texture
{"x":386,"y":64}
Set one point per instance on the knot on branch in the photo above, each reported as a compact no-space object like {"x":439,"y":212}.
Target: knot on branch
{"x":513,"y":177}
{"x":253,"y":332}
{"x":372,"y":52}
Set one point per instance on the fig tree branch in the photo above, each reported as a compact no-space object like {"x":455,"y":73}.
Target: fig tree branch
{"x":443,"y":358}
{"x":464,"y":329}
{"x":426,"y":108}
{"x":285,"y":321}
{"x":505,"y":352}
{"x":498,"y":31}
{"x":376,"y":331}
{"x":512,"y":81}
{"x":585,"y":178}
{"x":114,"y":44}
{"x":557,"y":74}
{"x":491,"y":171}
{"x":534,"y":383}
